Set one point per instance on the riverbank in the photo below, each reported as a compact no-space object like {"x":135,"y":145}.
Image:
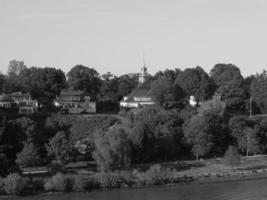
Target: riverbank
{"x":143,"y":176}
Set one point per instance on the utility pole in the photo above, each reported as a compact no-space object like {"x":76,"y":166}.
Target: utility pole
{"x":250,"y":106}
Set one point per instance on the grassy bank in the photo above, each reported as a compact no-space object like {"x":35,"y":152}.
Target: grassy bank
{"x":147,"y":175}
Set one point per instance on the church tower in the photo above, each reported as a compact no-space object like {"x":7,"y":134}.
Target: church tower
{"x":143,"y":75}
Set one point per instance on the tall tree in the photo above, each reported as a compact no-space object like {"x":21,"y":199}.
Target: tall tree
{"x":259,"y":91}
{"x":250,"y":141}
{"x":229,"y":83}
{"x":2,"y":83}
{"x":126,"y":85}
{"x":14,"y":79}
{"x":164,"y":91}
{"x":84,"y":78}
{"x":15,"y":67}
{"x":195,"y":82}
{"x":46,"y":82}
{"x":242,"y":130}
{"x":112,"y":149}
{"x":60,"y":147}
{"x":197,"y":134}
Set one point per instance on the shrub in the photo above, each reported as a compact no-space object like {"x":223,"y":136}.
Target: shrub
{"x":232,"y":156}
{"x":37,"y":184}
{"x":108,"y":180}
{"x":56,"y":183}
{"x":82,"y":184}
{"x":112,"y":149}
{"x":29,"y":156}
{"x":14,"y":184}
{"x":155,"y":175}
{"x":2,"y":184}
{"x":55,"y":167}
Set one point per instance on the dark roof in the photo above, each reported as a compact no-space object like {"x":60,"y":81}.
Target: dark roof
{"x":5,"y":98}
{"x":138,"y":92}
{"x":15,"y":94}
{"x":71,"y":92}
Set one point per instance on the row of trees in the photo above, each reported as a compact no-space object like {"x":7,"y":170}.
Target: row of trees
{"x":166,"y":86}
{"x":168,"y":131}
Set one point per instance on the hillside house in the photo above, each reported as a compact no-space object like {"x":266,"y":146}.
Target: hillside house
{"x":75,"y":102}
{"x":140,"y":96}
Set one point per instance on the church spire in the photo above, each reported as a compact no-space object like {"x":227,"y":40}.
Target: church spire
{"x":143,"y":74}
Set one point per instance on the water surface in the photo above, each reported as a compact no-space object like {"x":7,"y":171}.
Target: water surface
{"x":242,"y":190}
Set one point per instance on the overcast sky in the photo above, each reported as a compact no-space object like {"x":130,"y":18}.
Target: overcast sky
{"x":112,"y":35}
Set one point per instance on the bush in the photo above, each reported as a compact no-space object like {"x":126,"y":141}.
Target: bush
{"x":2,"y":184}
{"x":37,"y":184}
{"x":108,"y":180}
{"x":29,"y":156}
{"x":55,"y":167}
{"x":155,"y":175}
{"x":232,"y":156}
{"x":14,"y":184}
{"x":57,"y":182}
{"x":82,"y":184}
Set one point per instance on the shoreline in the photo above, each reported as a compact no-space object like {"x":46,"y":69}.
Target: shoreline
{"x":187,"y":182}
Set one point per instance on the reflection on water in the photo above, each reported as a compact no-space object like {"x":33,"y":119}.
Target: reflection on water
{"x":245,"y":190}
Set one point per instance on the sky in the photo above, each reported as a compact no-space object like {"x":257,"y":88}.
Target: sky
{"x":113,"y":35}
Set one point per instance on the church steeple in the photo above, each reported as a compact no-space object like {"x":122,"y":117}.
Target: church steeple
{"x":143,"y":74}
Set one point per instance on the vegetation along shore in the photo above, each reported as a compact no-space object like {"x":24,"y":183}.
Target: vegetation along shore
{"x":174,"y":127}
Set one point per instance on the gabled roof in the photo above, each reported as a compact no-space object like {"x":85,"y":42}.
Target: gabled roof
{"x":15,"y":94}
{"x":5,"y":98}
{"x":68,"y":92}
{"x":138,"y":92}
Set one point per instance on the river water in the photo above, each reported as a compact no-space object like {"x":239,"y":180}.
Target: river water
{"x":242,"y":190}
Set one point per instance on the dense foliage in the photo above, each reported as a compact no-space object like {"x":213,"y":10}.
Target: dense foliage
{"x":170,"y":130}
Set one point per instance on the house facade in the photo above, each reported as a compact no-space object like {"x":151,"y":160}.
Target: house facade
{"x":75,"y":102}
{"x":6,"y":102}
{"x":24,"y":102}
{"x":140,"y":96}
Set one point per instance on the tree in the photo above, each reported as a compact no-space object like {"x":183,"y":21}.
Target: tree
{"x":250,"y":141}
{"x":214,"y":105}
{"x":169,"y":75}
{"x":197,"y":134}
{"x":2,"y":83}
{"x":60,"y":147}
{"x":164,"y":91}
{"x":229,"y":81}
{"x":246,"y":137}
{"x":107,"y":98}
{"x":207,"y":132}
{"x":28,"y":127}
{"x":126,"y":84}
{"x":15,"y":67}
{"x":14,"y":79}
{"x":84,"y":78}
{"x":46,"y":82}
{"x":258,"y":91}
{"x":232,"y":156}
{"x":261,"y":130}
{"x":112,"y":149}
{"x":159,"y":134}
{"x":195,"y":82}
{"x":29,"y":156}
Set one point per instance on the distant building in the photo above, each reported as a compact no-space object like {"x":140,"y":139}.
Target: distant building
{"x":75,"y":102}
{"x":140,"y":96}
{"x":6,"y":102}
{"x":24,"y":102}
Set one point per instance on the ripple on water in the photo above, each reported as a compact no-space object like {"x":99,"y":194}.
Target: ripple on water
{"x":243,"y":190}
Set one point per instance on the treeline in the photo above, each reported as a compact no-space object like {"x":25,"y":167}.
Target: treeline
{"x":170,"y":130}
{"x":167,"y":87}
